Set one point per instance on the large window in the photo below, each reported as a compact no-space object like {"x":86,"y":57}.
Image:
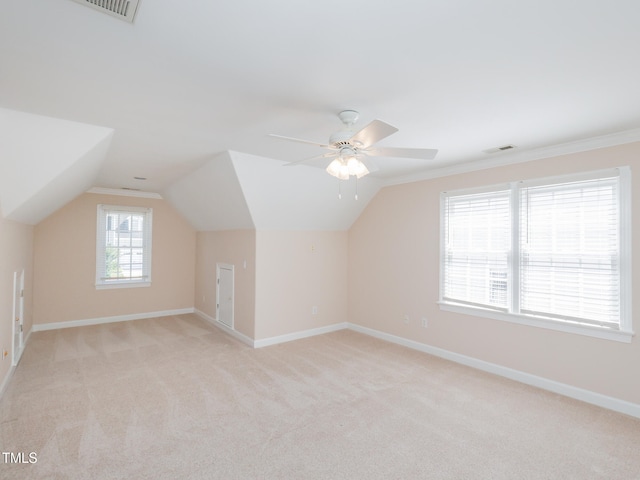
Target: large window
{"x":549,"y":252}
{"x":123,"y":246}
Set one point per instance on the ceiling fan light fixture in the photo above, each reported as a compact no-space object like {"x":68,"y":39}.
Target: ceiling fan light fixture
{"x":343,"y":168}
{"x":356,"y":167}
{"x":338,"y":169}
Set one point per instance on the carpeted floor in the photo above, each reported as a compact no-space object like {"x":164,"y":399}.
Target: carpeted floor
{"x":175,"y":398}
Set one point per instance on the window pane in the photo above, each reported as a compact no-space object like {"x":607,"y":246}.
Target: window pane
{"x":477,"y":248}
{"x":125,"y":245}
{"x":569,"y":242}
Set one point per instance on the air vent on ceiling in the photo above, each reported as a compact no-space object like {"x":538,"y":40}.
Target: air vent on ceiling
{"x":503,"y":148}
{"x":122,"y":9}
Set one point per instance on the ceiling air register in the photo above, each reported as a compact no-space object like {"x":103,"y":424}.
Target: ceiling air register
{"x":122,"y":9}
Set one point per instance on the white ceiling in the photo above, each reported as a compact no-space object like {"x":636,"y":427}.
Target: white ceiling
{"x":190,"y":80}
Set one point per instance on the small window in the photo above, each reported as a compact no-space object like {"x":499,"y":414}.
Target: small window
{"x":550,"y":252}
{"x":123,"y":247}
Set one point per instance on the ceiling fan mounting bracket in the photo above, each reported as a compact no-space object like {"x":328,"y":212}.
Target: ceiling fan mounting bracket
{"x":348,"y":117}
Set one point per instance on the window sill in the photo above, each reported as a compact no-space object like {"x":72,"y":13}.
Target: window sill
{"x":587,"y":330}
{"x":134,"y":284}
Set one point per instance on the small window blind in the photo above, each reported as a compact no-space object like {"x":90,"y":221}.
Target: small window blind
{"x":477,"y":247}
{"x":123,"y":245}
{"x":569,"y":243}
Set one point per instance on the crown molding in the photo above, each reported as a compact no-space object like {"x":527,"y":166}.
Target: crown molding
{"x":583,"y":145}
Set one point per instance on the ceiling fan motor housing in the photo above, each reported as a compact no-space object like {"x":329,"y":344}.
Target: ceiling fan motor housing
{"x":341,"y":139}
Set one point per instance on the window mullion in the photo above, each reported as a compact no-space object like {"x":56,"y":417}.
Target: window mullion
{"x":514,"y":256}
{"x":624,"y":248}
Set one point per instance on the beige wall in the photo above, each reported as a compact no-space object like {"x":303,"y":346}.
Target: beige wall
{"x":16,"y":254}
{"x":286,"y":274}
{"x":65,"y":264}
{"x":232,"y":247}
{"x":394,"y":271}
{"x":296,"y":270}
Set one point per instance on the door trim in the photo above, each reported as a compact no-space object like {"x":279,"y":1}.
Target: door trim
{"x":17,"y":337}
{"x":231,"y":268}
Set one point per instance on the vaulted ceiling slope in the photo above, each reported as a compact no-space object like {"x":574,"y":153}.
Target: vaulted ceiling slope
{"x":240,"y":191}
{"x":188,"y":81}
{"x":46,"y":162}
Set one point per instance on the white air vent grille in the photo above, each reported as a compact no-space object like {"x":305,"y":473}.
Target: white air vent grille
{"x":503,"y":148}
{"x":122,"y":9}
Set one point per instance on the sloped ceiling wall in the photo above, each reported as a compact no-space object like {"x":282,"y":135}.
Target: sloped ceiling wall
{"x":46,"y":162}
{"x":299,"y":197}
{"x":240,"y":191}
{"x":210,"y":197}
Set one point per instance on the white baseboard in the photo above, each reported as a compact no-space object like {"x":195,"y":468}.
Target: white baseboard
{"x":12,"y":368}
{"x":604,"y":401}
{"x":265,"y":342}
{"x":7,"y":379}
{"x":225,"y":328}
{"x":116,"y":318}
{"x":24,"y":347}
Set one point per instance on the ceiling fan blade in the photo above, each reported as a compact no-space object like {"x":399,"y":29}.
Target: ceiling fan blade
{"x":375,"y":131}
{"x":311,"y":159}
{"x":291,"y":139}
{"x":419,"y":153}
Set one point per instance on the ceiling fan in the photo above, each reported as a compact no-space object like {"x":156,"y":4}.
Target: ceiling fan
{"x":349,"y":149}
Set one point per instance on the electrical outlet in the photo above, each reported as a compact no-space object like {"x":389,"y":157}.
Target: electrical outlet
{"x":314,"y":310}
{"x":406,"y":319}
{"x":425,"y":322}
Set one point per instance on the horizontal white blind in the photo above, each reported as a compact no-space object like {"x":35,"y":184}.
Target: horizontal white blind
{"x":123,"y":244}
{"x":477,"y":247}
{"x":569,"y":242}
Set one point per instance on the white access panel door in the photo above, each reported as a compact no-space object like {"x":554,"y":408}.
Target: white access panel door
{"x":18,"y":316}
{"x":224,"y":294}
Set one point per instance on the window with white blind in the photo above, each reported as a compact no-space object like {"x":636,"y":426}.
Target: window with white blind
{"x":551,"y":252}
{"x":476,"y":262}
{"x":123,"y":246}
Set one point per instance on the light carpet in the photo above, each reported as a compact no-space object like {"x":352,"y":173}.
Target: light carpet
{"x":176,"y":398}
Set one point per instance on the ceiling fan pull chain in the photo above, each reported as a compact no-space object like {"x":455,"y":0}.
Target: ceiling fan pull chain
{"x":339,"y":190}
{"x":356,"y":188}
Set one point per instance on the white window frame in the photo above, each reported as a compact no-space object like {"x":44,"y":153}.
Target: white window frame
{"x":623,"y":333}
{"x":102,"y":282}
